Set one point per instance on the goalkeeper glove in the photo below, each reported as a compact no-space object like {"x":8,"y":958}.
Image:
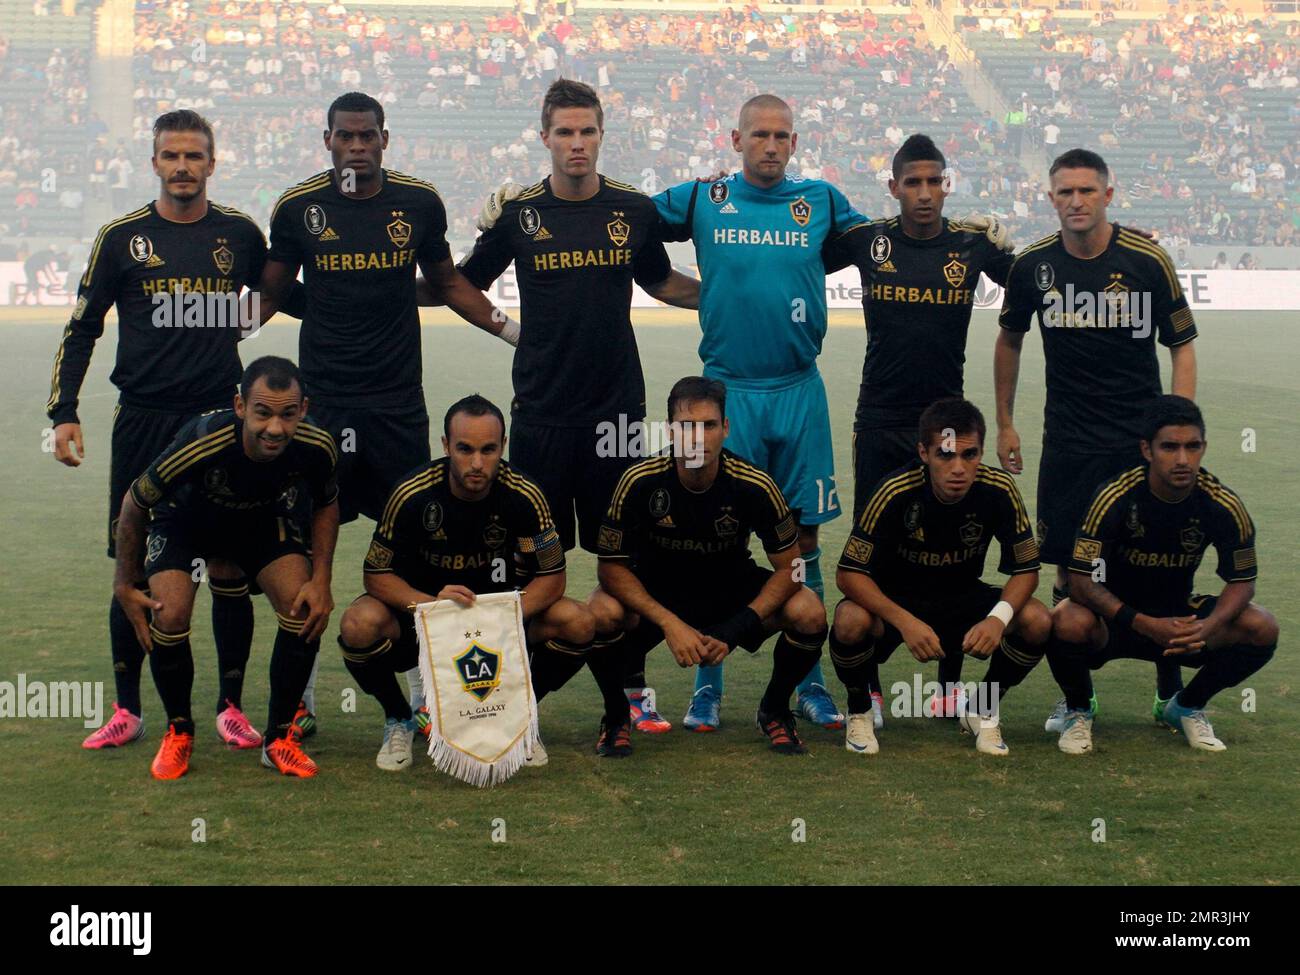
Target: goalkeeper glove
{"x":744,"y":627}
{"x":496,"y":202}
{"x":994,"y":229}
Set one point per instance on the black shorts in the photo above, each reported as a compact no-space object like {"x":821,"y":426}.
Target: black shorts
{"x":405,"y":652}
{"x":950,"y":616}
{"x":573,"y":476}
{"x":139,"y":436}
{"x":702,"y":606}
{"x":177,"y":538}
{"x":376,"y":447}
{"x":1133,"y":646}
{"x":878,"y":451}
{"x":1066,"y":483}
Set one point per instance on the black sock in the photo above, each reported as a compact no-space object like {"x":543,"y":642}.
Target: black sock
{"x":950,"y":669}
{"x":1069,"y":665}
{"x":292,"y":658}
{"x":553,"y":664}
{"x":1169,"y":678}
{"x":372,"y":668}
{"x":609,"y":666}
{"x":128,"y":658}
{"x":172,"y":665}
{"x":854,"y":665}
{"x":1010,"y":665}
{"x":1225,"y":667}
{"x":791,"y":662}
{"x":637,"y":645}
{"x":1059,"y":594}
{"x":232,"y":630}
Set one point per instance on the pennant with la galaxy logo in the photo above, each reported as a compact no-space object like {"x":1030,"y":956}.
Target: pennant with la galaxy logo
{"x":479,"y":688}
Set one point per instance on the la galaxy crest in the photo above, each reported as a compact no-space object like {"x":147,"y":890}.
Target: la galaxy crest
{"x":479,"y":669}
{"x":801,"y":211}
{"x":618,"y":229}
{"x":399,"y":231}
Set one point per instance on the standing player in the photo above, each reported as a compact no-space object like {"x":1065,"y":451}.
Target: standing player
{"x":358,"y":232}
{"x":1150,"y":528}
{"x":464,"y":524}
{"x":1103,"y":296}
{"x":911,"y":568}
{"x":674,"y":560}
{"x":235,"y":484}
{"x":578,"y":240}
{"x":919,"y":275}
{"x":166,"y":376}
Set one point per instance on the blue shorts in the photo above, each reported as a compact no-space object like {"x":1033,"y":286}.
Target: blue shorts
{"x":787,"y":432}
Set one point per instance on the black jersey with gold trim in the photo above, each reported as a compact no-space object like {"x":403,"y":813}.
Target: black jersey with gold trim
{"x":917,"y":297}
{"x":431,"y":538}
{"x":686,"y":538}
{"x":205,"y":471}
{"x":575,"y":261}
{"x":914,"y":545}
{"x":1146,"y":550}
{"x":177,"y":355}
{"x":360,"y":336}
{"x":1100,"y":320}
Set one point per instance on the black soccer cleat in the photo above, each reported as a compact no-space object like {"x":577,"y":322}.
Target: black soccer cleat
{"x":616,"y":743}
{"x":781,"y":734}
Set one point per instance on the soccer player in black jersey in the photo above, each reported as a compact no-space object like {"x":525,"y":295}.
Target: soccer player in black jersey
{"x":675,"y":562}
{"x":1132,"y":569}
{"x":256,"y":487}
{"x":142,"y":262}
{"x":578,"y":240}
{"x":359,"y":231}
{"x":464,"y":524}
{"x":919,"y":274}
{"x":1103,"y":295}
{"x":911,"y":568}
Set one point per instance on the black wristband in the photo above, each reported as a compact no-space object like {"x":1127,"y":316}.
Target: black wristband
{"x":1124,"y":617}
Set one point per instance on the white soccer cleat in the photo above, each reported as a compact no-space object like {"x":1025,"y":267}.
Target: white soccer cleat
{"x":395,"y":753}
{"x":1076,"y":735}
{"x":537,"y":757}
{"x":987,"y":733}
{"x":860,"y":736}
{"x":1195,"y":726}
{"x":1055,"y":722}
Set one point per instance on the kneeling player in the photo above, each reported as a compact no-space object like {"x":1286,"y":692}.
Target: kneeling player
{"x":1131,"y":575}
{"x":675,"y":562}
{"x":234,"y":485}
{"x":910,"y":573}
{"x":464,"y":524}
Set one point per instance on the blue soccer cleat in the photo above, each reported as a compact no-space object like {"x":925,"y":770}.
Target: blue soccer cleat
{"x":704,"y":714}
{"x":817,"y":707}
{"x":1194,"y":725}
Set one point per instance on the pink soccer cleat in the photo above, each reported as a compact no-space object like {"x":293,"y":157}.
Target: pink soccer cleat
{"x":235,"y":729}
{"x":121,"y":729}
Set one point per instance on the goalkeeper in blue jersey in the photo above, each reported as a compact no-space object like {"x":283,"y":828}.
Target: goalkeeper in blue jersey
{"x":758,"y":236}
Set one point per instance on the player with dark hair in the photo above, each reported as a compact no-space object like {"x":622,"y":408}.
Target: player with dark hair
{"x":240,"y":485}
{"x":675,"y":562}
{"x":911,"y":568}
{"x":1103,"y":295}
{"x":920,"y":272}
{"x":358,"y":231}
{"x":142,"y":263}
{"x":578,"y":240}
{"x":456,"y":527}
{"x":1131,"y":575}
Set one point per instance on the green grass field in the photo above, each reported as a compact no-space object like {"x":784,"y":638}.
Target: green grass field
{"x":685,"y":808}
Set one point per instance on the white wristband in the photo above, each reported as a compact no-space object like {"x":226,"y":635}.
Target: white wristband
{"x":509,"y":332}
{"x":1003,"y":611}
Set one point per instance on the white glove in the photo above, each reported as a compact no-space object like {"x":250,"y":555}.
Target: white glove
{"x":994,"y":229}
{"x":496,"y":202}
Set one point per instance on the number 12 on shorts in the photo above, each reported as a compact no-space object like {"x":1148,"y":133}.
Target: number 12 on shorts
{"x":827,"y":500}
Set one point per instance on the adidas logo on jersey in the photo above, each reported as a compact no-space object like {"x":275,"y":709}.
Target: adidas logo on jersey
{"x":329,"y":234}
{"x":888,"y":266}
{"x":542,"y":234}
{"x":665,"y":522}
{"x":154,"y":261}
{"x":728,"y":208}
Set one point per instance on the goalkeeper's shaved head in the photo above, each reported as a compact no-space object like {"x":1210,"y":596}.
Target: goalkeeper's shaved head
{"x":761,"y":103}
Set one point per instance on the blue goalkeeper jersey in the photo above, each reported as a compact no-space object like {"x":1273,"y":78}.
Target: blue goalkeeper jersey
{"x":763,"y":284}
